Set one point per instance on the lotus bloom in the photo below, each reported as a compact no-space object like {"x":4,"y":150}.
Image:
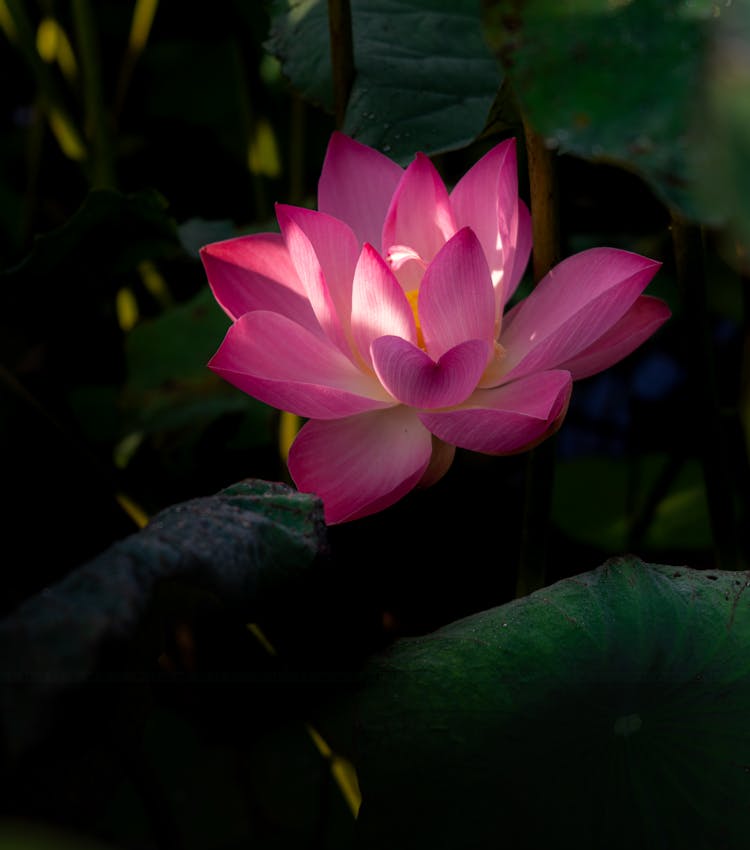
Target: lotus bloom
{"x":380,"y":318}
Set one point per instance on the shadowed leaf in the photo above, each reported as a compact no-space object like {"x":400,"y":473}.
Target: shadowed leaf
{"x":608,"y":710}
{"x":425,"y":78}
{"x":612,"y":81}
{"x":247,"y":544}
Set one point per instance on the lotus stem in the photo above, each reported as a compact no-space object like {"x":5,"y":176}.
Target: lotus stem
{"x":540,"y":464}
{"x":140,"y":29}
{"x":687,"y":241}
{"x":342,"y":55}
{"x":102,"y":164}
{"x":20,"y":31}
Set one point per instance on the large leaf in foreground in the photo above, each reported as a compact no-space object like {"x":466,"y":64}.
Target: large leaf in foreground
{"x":247,"y":545}
{"x":425,"y":78}
{"x":608,"y":710}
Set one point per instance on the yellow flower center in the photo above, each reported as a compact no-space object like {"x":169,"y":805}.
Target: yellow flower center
{"x":411,"y":296}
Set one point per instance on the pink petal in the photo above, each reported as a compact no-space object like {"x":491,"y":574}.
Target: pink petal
{"x":456,"y":299}
{"x":486,"y":199}
{"x":324,"y":252}
{"x":356,"y":186}
{"x":506,"y":419}
{"x":577,"y":302}
{"x":440,"y":462}
{"x":256,"y":273}
{"x":420,"y":217}
{"x":414,"y":378}
{"x":522,"y":253}
{"x":634,"y":328}
{"x":361,"y":464}
{"x":379,"y":306}
{"x":282,"y":364}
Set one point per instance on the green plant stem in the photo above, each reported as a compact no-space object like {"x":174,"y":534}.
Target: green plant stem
{"x":537,"y":506}
{"x":641,"y":518}
{"x":247,"y":121}
{"x":543,"y":191}
{"x":687,"y":241}
{"x":540,"y":468}
{"x":51,"y":100}
{"x":297,"y":147}
{"x":140,"y":29}
{"x":102,"y":159}
{"x":342,"y":55}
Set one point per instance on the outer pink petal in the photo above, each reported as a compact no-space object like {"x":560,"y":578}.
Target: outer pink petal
{"x":379,"y":306}
{"x":486,"y":199}
{"x":281,"y":363}
{"x":506,"y":419}
{"x":645,"y":317}
{"x":420,"y":217}
{"x":577,"y":302}
{"x":256,"y":273}
{"x":361,"y":464}
{"x":324,"y":252}
{"x":456,"y":299}
{"x":522,"y":253}
{"x":414,"y":378}
{"x":356,"y":186}
{"x":440,"y":462}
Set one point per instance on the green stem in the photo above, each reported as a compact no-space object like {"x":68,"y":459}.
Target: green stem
{"x":537,"y":506}
{"x":540,"y":469}
{"x":687,"y":241}
{"x":297,"y":147}
{"x":247,"y":119}
{"x":102,"y":160}
{"x":641,"y":518}
{"x":342,"y":55}
{"x":543,"y":191}
{"x":51,"y":99}
{"x":140,"y":29}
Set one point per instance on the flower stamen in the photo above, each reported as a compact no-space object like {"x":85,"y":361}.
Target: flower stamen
{"x":412,"y":296}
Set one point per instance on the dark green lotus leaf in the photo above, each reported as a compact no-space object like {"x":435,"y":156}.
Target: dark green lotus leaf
{"x":168,"y":383}
{"x":246,"y":545}
{"x":613,"y":81}
{"x":425,"y":77}
{"x":608,"y":710}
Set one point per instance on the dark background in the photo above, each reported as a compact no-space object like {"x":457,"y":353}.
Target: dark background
{"x":95,"y":414}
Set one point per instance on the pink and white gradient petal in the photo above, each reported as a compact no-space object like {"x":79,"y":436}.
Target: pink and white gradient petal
{"x":283,"y":364}
{"x":440,"y":462}
{"x":420,"y":218}
{"x":506,"y":419}
{"x":255,"y":272}
{"x":324,"y":252}
{"x":414,"y":378}
{"x":379,"y":306}
{"x":362,"y":464}
{"x":642,"y":320}
{"x":486,"y":199}
{"x":356,"y":185}
{"x":456,"y":299}
{"x":521,"y":254}
{"x":571,"y":307}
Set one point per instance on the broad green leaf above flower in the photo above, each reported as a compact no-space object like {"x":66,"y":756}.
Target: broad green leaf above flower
{"x":381,"y":319}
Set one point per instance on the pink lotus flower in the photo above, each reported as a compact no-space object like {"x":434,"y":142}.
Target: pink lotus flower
{"x":380,"y":319}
